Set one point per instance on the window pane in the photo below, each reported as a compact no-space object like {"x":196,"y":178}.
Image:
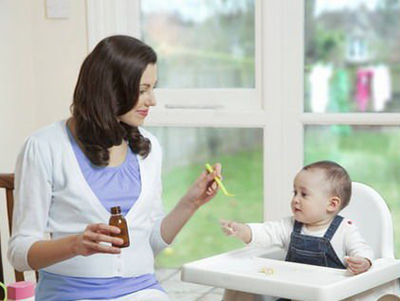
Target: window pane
{"x":185,"y":151}
{"x":201,"y":44}
{"x":352,"y":56}
{"x":370,"y":155}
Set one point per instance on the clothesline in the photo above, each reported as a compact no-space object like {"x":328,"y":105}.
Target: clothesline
{"x":330,"y":90}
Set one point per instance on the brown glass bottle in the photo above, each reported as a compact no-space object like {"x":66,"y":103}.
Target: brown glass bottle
{"x":119,"y":221}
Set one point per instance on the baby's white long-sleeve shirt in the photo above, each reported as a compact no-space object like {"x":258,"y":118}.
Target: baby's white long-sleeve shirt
{"x":347,"y":240}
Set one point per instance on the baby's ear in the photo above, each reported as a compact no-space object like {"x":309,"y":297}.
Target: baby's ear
{"x":334,"y":204}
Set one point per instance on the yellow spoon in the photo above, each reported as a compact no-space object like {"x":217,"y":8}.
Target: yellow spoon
{"x":219,"y":182}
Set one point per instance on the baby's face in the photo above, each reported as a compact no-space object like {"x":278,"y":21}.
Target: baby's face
{"x":310,"y":197}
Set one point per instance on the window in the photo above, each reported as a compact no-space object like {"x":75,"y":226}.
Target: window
{"x":202,"y":44}
{"x":202,"y":71}
{"x":353,"y":68}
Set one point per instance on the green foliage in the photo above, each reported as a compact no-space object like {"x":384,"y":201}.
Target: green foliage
{"x":329,"y":44}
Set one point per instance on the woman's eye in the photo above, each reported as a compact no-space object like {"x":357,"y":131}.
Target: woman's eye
{"x":143,"y":91}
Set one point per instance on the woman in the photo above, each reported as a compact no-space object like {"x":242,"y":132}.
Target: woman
{"x":70,"y":174}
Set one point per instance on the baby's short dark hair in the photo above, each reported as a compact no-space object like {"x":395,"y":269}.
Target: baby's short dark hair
{"x":337,"y":177}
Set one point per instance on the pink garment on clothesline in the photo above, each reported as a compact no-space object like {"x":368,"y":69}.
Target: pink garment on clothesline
{"x":363,"y":89}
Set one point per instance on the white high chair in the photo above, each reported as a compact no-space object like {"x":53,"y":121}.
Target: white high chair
{"x":241,"y":270}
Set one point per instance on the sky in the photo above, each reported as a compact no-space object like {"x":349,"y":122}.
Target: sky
{"x":199,"y":10}
{"x":194,"y":10}
{"x":329,"y":5}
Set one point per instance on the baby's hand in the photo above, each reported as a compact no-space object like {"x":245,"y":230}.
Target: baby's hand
{"x":235,"y":229}
{"x":357,"y":264}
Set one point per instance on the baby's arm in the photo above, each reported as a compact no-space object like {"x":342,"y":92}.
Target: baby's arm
{"x":358,"y":264}
{"x":261,"y":235}
{"x":241,"y":231}
{"x":359,"y":252}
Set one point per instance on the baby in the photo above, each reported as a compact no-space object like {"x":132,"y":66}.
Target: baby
{"x":316,"y":234}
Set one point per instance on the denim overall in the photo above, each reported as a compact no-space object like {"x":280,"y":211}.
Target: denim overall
{"x":314,"y":250}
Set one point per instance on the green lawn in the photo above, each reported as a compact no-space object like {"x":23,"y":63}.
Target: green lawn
{"x":370,"y":155}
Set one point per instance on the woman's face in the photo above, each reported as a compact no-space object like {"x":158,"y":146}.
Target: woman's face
{"x":137,"y":115}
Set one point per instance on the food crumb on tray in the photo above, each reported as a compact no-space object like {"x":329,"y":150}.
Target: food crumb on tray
{"x":267,"y":271}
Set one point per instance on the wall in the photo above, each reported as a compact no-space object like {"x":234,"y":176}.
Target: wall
{"x":18,"y":113}
{"x":39,"y":63}
{"x":59,"y":48}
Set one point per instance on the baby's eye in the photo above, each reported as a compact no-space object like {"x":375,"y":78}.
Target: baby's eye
{"x":294,"y":192}
{"x":303,"y":194}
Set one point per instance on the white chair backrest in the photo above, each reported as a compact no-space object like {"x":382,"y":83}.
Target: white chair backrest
{"x":370,"y":213}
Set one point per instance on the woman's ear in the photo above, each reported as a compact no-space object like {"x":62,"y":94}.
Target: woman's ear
{"x":334,"y":204}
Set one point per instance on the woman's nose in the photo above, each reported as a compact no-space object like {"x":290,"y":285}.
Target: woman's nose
{"x":151,"y":99}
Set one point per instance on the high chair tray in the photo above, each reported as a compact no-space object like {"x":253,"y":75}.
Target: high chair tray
{"x":248,"y":270}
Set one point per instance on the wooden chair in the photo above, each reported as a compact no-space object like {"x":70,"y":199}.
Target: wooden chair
{"x":7,"y":182}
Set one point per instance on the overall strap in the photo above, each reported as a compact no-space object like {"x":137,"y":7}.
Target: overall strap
{"x":333,"y":227}
{"x":297,"y":227}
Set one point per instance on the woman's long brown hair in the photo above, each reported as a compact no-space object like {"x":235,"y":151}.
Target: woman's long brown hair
{"x":107,"y":87}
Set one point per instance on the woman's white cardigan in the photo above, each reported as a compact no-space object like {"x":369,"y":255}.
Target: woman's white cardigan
{"x":52,"y":196}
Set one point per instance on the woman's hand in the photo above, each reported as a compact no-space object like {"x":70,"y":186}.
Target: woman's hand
{"x":241,"y":231}
{"x":358,"y":265}
{"x":204,"y":188}
{"x":89,"y":242}
{"x":45,"y":253}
